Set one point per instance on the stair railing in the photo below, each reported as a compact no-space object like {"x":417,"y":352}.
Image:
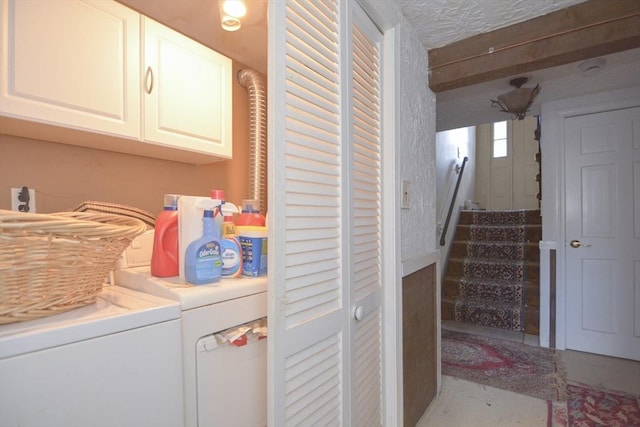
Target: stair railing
{"x":453,"y":201}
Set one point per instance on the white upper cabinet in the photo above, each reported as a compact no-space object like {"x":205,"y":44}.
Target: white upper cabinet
{"x":73,"y":64}
{"x":187,"y":92}
{"x":98,"y":74}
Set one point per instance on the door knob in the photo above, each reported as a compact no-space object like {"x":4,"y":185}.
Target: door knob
{"x":577,"y":244}
{"x":358,"y":312}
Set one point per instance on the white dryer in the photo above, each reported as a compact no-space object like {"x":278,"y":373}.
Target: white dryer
{"x":224,"y":384}
{"x":113,"y":363}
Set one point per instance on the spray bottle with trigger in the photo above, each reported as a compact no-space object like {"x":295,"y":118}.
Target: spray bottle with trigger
{"x":203,"y":260}
{"x":231,"y":248}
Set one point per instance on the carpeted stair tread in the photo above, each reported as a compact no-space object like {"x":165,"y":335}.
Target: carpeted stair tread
{"x":466,"y":283}
{"x":488,"y":268}
{"x":488,"y":289}
{"x":508,"y":217}
{"x":480,"y":281}
{"x":487,"y":313}
{"x":485,"y":303}
{"x":503,"y":250}
{"x":497,"y":233}
{"x":490,"y":294}
{"x":486,"y":261}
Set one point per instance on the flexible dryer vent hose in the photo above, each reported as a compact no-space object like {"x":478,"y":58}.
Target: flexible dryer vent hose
{"x":254,"y":83}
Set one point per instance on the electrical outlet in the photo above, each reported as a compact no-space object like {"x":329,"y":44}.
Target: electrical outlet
{"x":404,"y":204}
{"x":23,"y":199}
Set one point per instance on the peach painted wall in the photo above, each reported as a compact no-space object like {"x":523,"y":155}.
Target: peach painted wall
{"x":65,"y":175}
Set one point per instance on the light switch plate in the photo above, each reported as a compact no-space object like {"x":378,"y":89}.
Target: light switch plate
{"x":406,"y":200}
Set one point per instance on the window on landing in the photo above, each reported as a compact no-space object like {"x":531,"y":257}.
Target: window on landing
{"x":500,"y":140}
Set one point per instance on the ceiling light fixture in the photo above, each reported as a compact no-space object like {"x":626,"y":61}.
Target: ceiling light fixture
{"x":591,"y":66}
{"x":234,"y":8}
{"x":229,"y":23}
{"x":518,"y":101}
{"x":230,"y":13}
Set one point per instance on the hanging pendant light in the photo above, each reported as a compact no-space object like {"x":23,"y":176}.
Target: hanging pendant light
{"x":518,"y":101}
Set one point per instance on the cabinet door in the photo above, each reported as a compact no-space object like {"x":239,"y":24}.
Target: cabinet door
{"x":52,"y":72}
{"x":187,"y":93}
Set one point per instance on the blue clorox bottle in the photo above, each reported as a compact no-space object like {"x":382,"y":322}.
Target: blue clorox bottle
{"x":203,"y":262}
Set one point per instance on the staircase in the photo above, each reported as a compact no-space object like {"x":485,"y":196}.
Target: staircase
{"x":492,"y":275}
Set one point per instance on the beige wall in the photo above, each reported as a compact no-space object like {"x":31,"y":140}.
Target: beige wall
{"x":65,"y":175}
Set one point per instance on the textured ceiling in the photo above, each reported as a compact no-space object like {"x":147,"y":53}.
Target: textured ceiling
{"x":441,"y":22}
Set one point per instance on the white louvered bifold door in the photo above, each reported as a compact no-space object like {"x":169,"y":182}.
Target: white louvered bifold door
{"x":365,"y":217}
{"x":324,"y":217}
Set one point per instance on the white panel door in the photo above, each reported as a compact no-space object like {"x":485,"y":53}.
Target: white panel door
{"x":325,"y":201}
{"x":602,"y":162}
{"x":508,"y":182}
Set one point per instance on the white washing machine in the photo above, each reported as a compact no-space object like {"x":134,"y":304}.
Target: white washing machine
{"x":224,"y":384}
{"x":113,"y":363}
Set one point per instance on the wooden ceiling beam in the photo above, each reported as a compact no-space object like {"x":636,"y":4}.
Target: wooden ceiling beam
{"x":586,"y":30}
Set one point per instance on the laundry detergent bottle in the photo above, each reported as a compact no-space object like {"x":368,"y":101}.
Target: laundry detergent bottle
{"x":203,"y":262}
{"x":250,"y":214}
{"x":164,"y":255}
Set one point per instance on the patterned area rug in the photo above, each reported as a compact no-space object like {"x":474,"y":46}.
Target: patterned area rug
{"x":588,"y":407}
{"x":508,"y":365}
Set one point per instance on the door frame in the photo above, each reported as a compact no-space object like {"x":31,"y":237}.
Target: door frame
{"x":553,"y":208}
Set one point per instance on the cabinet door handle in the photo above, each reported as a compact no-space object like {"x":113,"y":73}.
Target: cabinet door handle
{"x":148,"y":80}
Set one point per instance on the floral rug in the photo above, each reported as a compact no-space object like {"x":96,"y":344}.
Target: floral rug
{"x":508,"y":365}
{"x":588,"y":407}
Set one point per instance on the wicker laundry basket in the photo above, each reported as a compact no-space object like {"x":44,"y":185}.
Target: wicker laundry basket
{"x":51,"y":263}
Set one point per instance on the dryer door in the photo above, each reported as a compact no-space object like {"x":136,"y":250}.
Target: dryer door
{"x":232,"y":382}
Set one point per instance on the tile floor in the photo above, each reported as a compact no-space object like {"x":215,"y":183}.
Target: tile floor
{"x":462,"y":403}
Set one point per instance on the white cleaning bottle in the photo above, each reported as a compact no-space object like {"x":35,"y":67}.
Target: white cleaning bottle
{"x":203,"y":262}
{"x":231,"y":248}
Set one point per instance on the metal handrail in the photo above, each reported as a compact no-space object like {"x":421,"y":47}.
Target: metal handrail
{"x":453,"y":201}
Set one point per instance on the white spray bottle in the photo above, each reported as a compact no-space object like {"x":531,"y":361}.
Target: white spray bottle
{"x":232,"y":257}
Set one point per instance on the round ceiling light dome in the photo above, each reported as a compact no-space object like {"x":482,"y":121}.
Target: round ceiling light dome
{"x":234,"y":8}
{"x":591,"y":66}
